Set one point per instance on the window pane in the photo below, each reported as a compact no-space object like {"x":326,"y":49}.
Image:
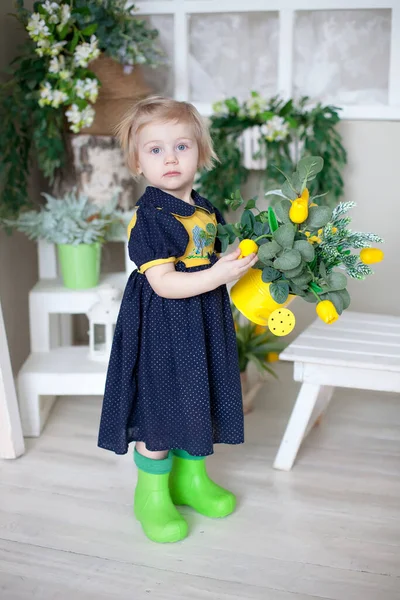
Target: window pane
{"x":161,"y":79}
{"x":232,"y":54}
{"x":342,"y":56}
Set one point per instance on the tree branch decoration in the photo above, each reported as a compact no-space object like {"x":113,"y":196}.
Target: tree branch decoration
{"x":288,"y":132}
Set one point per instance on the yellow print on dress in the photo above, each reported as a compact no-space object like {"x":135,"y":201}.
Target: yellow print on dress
{"x":203,"y":240}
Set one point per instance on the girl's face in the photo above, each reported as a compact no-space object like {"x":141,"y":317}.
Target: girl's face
{"x":168,"y":156}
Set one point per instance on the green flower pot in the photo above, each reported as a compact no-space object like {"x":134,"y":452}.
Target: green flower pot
{"x":80,"y":265}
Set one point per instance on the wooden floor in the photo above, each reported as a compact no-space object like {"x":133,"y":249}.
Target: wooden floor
{"x":330,"y":528}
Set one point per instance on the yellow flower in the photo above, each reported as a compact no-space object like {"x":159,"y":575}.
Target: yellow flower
{"x":305,"y":195}
{"x":312,"y":238}
{"x":247,"y":247}
{"x":327,"y":311}
{"x":272,"y":357}
{"x":298,"y":211}
{"x":259,"y":330}
{"x":369,"y":256}
{"x":334,"y":229}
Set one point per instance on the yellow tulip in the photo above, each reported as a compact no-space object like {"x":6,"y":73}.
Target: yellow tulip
{"x":298,"y":211}
{"x":327,"y":311}
{"x":305,"y":195}
{"x":248,"y":247}
{"x":272,"y":356}
{"x":369,"y":256}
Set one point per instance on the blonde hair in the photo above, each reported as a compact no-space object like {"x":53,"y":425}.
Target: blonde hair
{"x":158,"y":108}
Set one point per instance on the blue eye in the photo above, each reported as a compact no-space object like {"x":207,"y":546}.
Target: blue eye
{"x":155,"y":150}
{"x":181,"y":146}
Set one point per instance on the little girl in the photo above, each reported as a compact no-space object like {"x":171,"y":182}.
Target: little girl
{"x":173,"y":381}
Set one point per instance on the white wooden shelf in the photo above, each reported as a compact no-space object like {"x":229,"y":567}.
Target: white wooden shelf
{"x":62,"y":365}
{"x":56,"y":367}
{"x":49,"y":297}
{"x":60,"y":299}
{"x":46,"y":375}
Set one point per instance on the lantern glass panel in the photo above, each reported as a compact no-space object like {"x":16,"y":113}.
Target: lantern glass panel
{"x":99,"y":337}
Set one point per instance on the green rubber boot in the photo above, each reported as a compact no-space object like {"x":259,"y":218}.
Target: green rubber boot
{"x":190,"y":485}
{"x":153,"y":506}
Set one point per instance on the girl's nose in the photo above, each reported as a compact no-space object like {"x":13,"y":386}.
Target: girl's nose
{"x":170,"y":158}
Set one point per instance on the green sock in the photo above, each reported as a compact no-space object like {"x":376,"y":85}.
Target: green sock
{"x":184,"y":454}
{"x":151,"y":465}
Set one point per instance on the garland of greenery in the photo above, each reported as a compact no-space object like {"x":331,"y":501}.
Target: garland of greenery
{"x":288,"y":132}
{"x":52,"y":87}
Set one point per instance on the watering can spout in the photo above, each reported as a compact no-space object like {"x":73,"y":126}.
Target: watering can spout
{"x":253,"y":299}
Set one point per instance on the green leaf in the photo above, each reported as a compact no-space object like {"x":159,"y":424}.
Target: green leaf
{"x":232,"y":104}
{"x":302,"y":280}
{"x":260,"y":264}
{"x":258,"y":228}
{"x":309,"y":166}
{"x":279,"y":291}
{"x":295,"y":289}
{"x":306,"y":250}
{"x":273,"y":223}
{"x":345,"y":296}
{"x":74,"y":41}
{"x":64,"y":32}
{"x":268,"y":251}
{"x":284,"y":235}
{"x":337,"y":301}
{"x":275,"y":193}
{"x":288,"y":191}
{"x":318,"y":216}
{"x":224,"y":244}
{"x":251,"y":203}
{"x":336,"y":281}
{"x":84,"y":10}
{"x":231,"y":231}
{"x":288,"y":260}
{"x":296,"y":182}
{"x":295,"y":272}
{"x":270,"y":274}
{"x":310,"y":298}
{"x":247,"y":219}
{"x":90,"y":29}
{"x":282,"y":211}
{"x":322,"y":270}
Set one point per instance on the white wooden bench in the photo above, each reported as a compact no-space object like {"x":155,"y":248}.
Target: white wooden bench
{"x":357,"y":351}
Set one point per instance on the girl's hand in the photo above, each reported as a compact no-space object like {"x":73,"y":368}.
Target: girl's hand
{"x":230,"y":267}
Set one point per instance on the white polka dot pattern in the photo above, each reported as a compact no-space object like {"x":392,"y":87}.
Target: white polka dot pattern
{"x":173,"y":378}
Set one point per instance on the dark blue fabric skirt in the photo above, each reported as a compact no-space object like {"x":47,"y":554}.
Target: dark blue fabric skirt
{"x":173,"y":378}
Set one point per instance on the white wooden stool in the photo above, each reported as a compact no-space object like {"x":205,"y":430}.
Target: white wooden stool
{"x":357,"y":351}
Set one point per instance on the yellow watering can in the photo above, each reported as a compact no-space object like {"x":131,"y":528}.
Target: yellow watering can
{"x":252,"y":298}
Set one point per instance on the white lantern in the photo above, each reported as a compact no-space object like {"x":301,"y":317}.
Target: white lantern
{"x":102,"y":320}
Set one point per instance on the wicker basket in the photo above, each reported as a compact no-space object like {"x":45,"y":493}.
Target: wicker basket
{"x":117,"y":93}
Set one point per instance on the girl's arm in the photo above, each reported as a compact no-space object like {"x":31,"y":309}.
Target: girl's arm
{"x":168,"y":283}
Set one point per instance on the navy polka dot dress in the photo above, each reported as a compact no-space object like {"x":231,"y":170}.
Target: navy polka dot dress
{"x":173,"y":378}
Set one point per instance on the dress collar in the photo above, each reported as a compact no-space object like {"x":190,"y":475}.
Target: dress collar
{"x":173,"y":204}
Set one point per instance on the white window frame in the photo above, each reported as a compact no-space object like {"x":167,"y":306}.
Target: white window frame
{"x":182,"y":9}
